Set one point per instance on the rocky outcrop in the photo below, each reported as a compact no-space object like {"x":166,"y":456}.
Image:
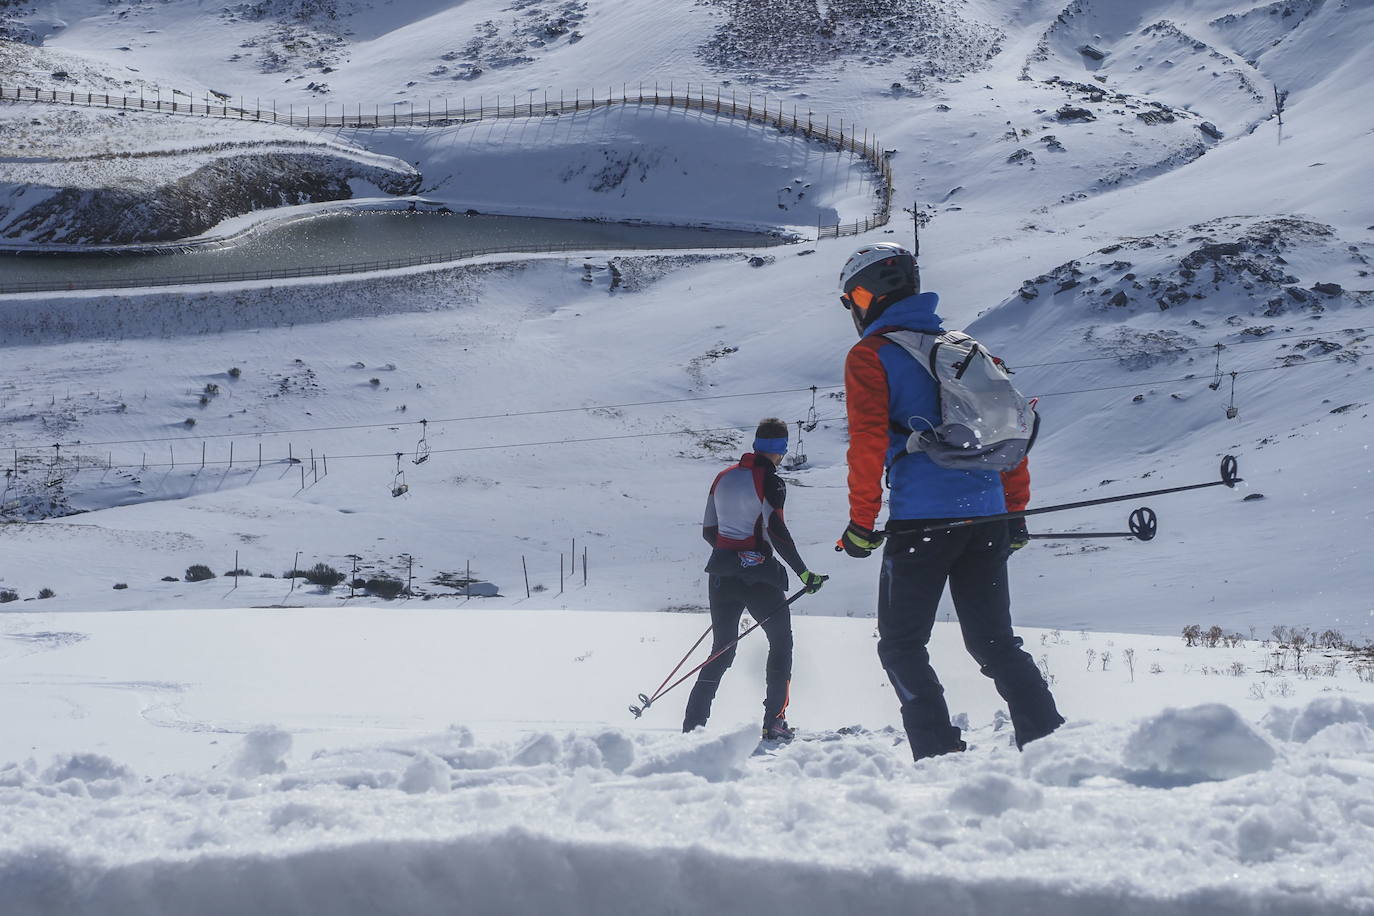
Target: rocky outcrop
{"x":191,"y":204}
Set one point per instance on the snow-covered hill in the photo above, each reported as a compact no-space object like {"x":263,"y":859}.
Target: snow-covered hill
{"x":1107,"y":198}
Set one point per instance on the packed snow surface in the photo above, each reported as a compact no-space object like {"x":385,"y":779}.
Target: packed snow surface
{"x":1108,"y":199}
{"x":412,"y":760}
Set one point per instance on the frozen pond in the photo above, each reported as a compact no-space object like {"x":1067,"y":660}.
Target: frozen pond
{"x":350,"y":240}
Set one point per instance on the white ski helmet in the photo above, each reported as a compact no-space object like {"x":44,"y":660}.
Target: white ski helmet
{"x":881,"y":269}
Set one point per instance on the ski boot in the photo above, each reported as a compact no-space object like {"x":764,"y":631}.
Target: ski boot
{"x":778,"y":730}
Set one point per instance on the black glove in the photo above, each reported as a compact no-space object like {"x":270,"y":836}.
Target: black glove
{"x":1020,"y":534}
{"x":858,"y":541}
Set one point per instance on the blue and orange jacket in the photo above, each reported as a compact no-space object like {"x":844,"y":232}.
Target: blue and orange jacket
{"x":889,"y":393}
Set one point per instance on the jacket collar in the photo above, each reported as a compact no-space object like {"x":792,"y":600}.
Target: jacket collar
{"x":754,"y":459}
{"x":914,"y":313}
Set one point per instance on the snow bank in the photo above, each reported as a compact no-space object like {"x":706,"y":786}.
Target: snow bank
{"x":834,"y":822}
{"x":714,"y":760}
{"x":1211,"y":741}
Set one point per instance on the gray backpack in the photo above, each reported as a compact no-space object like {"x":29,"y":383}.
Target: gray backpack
{"x":985,"y":423}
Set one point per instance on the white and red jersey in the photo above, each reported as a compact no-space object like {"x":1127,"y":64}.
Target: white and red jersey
{"x":744,"y":512}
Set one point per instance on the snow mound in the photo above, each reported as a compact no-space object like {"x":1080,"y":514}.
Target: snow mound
{"x":87,"y":768}
{"x":263,"y":752}
{"x":715,"y":760}
{"x":993,"y":794}
{"x":426,"y":773}
{"x":1201,"y":743}
{"x":1324,"y":712}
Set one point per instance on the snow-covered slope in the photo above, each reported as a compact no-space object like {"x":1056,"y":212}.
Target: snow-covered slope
{"x":1103,"y":221}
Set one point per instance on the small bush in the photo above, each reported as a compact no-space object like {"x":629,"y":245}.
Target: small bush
{"x":120,"y":586}
{"x":235,"y":372}
{"x":211,"y":389}
{"x":189,"y":422}
{"x":323,"y":574}
{"x":198,"y":572}
{"x":47,"y":593}
{"x":6,"y":596}
{"x":266,"y":576}
{"x":385,"y":586}
{"x":204,"y":399}
{"x":235,"y":573}
{"x":374,"y":382}
{"x":170,"y":579}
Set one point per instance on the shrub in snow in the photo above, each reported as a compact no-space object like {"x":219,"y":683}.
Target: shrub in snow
{"x":235,"y":372}
{"x":47,"y":593}
{"x":235,"y":573}
{"x":385,"y":586}
{"x":6,"y":596}
{"x":991,"y":794}
{"x":263,"y":751}
{"x":1183,"y":746}
{"x":189,"y":422}
{"x":170,"y":579}
{"x":120,"y":586}
{"x":322,"y":574}
{"x":198,"y":572}
{"x":426,"y":773}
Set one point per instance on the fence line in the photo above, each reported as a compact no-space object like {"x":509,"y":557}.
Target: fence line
{"x":865,"y":145}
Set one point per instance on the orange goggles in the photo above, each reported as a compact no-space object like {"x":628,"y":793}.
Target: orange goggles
{"x":858,"y":297}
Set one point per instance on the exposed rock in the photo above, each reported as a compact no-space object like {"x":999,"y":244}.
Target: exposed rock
{"x":1070,"y":113}
{"x":1156,"y":117}
{"x":1092,"y":53}
{"x":1328,"y":289}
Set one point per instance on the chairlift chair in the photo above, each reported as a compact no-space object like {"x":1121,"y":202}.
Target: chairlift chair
{"x":422,"y":447}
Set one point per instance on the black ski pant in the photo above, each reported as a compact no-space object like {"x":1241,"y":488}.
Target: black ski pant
{"x":729,"y":596}
{"x":973,"y":560}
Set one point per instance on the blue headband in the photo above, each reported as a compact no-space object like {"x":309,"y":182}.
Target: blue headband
{"x":771,"y":446}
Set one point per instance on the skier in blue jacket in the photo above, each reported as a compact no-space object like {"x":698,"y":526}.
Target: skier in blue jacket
{"x":889,"y":394}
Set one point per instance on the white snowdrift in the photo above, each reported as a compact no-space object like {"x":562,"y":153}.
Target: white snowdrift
{"x":138,"y":775}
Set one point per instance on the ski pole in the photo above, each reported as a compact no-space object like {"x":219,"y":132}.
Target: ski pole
{"x":1229,"y":469}
{"x":700,"y":640}
{"x":647,"y":701}
{"x":1143,"y":522}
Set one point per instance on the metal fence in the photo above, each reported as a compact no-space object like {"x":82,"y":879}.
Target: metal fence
{"x":754,"y":107}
